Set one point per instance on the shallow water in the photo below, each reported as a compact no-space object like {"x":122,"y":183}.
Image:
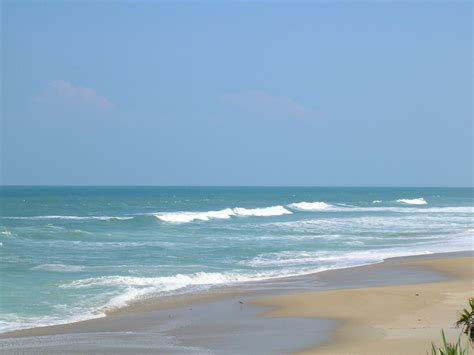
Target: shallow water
{"x":70,"y":253}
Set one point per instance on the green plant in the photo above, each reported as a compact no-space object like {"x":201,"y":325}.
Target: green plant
{"x":448,"y":348}
{"x":466,"y":320}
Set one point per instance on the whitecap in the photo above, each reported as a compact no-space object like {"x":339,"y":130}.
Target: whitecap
{"x":261,"y":212}
{"x":134,"y":288}
{"x":413,"y":201}
{"x":186,"y":217}
{"x":310,"y":206}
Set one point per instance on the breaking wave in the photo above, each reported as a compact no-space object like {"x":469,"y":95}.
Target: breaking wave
{"x":413,"y":201}
{"x":310,"y":206}
{"x":186,"y":217}
{"x":136,"y":288}
{"x":262,"y":212}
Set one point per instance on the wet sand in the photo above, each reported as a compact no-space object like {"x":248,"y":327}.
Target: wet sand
{"x":366,"y":309}
{"x":402,"y":319}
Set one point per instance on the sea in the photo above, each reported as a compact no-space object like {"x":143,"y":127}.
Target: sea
{"x":74,"y":253}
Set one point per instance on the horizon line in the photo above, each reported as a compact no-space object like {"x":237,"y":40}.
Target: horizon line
{"x":238,"y":186}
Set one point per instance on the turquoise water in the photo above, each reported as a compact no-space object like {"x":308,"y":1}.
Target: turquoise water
{"x":71,"y":253}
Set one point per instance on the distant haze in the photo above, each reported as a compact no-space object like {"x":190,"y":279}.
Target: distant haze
{"x":243,"y":93}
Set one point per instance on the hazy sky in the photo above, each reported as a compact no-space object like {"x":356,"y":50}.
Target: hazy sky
{"x":243,"y":93}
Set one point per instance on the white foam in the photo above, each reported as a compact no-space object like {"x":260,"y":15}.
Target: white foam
{"x":134,"y":288}
{"x":310,"y":206}
{"x":377,"y":201}
{"x":288,"y":263}
{"x":7,"y":234}
{"x":323,"y":260}
{"x":186,"y":217}
{"x":407,"y":209}
{"x":413,"y":201}
{"x":12,"y":322}
{"x":165,"y":283}
{"x":262,"y":212}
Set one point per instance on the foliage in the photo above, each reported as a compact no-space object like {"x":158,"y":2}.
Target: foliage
{"x":466,"y":319}
{"x":448,"y":348}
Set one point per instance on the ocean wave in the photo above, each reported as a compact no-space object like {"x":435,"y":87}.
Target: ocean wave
{"x":262,"y":212}
{"x":6,"y":234}
{"x":329,"y":260}
{"x":11,"y":322}
{"x":288,"y":263}
{"x":377,"y":201}
{"x":407,"y":209}
{"x":58,"y":268}
{"x":134,"y":288}
{"x":310,"y":206}
{"x":186,"y":217}
{"x":128,"y":289}
{"x":413,"y":201}
{"x":165,"y":283}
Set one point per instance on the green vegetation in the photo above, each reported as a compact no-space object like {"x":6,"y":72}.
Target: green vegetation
{"x":465,"y":321}
{"x":449,"y":349}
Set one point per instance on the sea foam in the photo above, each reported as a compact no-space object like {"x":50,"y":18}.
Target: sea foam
{"x":310,"y":206}
{"x":413,"y":201}
{"x":186,"y":217}
{"x":262,"y":212}
{"x":134,"y":288}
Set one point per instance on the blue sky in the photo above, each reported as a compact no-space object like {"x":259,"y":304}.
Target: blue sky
{"x":242,"y":93}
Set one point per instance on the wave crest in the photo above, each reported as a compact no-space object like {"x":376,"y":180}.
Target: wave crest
{"x":310,"y":206}
{"x":134,"y":288}
{"x":261,"y":212}
{"x":413,"y":201}
{"x":186,"y":217}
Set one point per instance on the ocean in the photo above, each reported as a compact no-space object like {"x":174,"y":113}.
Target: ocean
{"x":72,"y":253}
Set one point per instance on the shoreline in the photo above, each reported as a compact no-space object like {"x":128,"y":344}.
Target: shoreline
{"x":396,"y":319}
{"x":280,"y":284}
{"x":179,"y":319}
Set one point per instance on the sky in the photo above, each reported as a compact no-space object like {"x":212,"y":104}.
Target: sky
{"x":236,"y":93}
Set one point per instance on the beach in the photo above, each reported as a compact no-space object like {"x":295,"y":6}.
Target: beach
{"x":236,"y":178}
{"x":398,"y":306}
{"x":401,"y":319}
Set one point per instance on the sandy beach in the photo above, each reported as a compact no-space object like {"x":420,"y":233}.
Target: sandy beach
{"x":395,"y":307}
{"x":402,"y":319}
{"x":235,"y":177}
